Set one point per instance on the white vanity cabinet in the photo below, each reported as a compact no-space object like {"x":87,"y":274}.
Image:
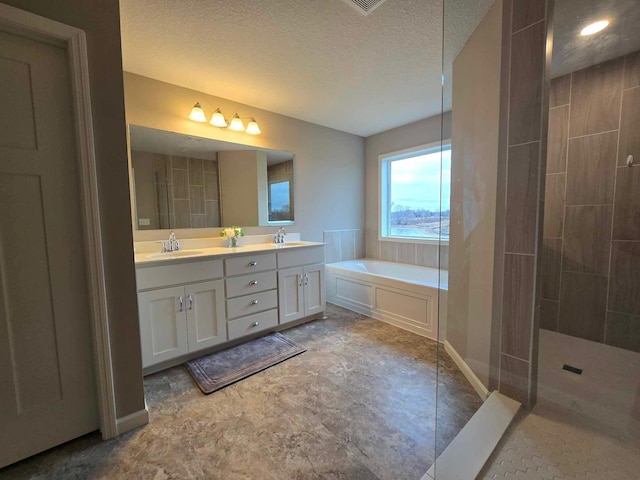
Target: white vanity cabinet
{"x":301,"y":291}
{"x":183,"y":318}
{"x":252,"y":294}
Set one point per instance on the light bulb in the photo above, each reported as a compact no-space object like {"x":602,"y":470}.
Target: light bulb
{"x":217,"y":120}
{"x":253,"y":128}
{"x":197,"y":113}
{"x":236,"y":124}
{"x":594,"y":27}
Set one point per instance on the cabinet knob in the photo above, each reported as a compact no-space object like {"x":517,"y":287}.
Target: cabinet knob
{"x":253,"y":282}
{"x":254,"y":324}
{"x":253,"y":302}
{"x":253,"y":264}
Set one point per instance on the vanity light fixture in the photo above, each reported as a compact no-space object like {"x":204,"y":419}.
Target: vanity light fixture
{"x":594,"y":27}
{"x":217,"y":120}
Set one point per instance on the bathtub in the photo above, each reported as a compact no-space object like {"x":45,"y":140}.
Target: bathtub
{"x":406,"y":296}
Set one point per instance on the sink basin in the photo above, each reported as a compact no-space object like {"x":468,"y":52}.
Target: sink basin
{"x":180,"y":253}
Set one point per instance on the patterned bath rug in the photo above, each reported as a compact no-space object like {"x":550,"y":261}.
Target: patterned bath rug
{"x":217,"y":370}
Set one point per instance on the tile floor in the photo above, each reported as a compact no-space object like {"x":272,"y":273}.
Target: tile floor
{"x":550,"y":444}
{"x":359,"y":404}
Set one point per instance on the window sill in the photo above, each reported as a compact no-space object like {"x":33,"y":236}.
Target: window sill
{"x":421,"y":241}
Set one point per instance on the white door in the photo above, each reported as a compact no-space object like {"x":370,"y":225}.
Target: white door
{"x":314,"y":291}
{"x":290,"y":294}
{"x":47,"y":385}
{"x":163,"y":325}
{"x":206,"y":323}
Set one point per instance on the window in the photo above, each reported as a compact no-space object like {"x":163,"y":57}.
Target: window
{"x":280,"y":202}
{"x":414,"y":194}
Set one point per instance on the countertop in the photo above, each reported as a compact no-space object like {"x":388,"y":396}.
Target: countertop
{"x":209,"y":253}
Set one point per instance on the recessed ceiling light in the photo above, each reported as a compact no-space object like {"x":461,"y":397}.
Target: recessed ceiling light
{"x":594,"y":27}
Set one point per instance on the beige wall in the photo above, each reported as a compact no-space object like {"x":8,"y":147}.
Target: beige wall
{"x":329,"y":164}
{"x":414,"y":134}
{"x":100,"y":19}
{"x":474,"y":166}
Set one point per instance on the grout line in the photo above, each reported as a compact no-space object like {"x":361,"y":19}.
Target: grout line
{"x":630,"y":88}
{"x":512,"y":356}
{"x":613,"y":210}
{"x":556,"y":173}
{"x":521,"y":254}
{"x":594,"y":134}
{"x":590,"y":205}
{"x":523,"y":144}
{"x":558,"y":106}
{"x":524,"y":28}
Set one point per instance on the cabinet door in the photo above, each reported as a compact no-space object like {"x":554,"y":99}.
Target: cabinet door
{"x":290,"y":294}
{"x":163,"y":326}
{"x":314,"y":291}
{"x":206,"y":324}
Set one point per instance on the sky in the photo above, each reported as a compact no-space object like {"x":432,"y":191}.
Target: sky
{"x":279,"y":195}
{"x":415,"y":182}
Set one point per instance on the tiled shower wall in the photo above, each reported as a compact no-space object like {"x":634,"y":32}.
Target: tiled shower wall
{"x":591,"y":247}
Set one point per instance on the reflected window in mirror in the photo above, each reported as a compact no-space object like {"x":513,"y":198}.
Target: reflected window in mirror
{"x":280,"y":180}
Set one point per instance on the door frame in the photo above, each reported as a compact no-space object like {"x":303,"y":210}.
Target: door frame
{"x":26,"y":24}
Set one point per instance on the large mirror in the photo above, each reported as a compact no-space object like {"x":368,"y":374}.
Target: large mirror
{"x":182,"y":181}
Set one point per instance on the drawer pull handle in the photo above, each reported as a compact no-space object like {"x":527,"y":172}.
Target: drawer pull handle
{"x":299,"y":280}
{"x":253,"y":264}
{"x":253,"y":282}
{"x":253,"y":302}
{"x":254,"y":324}
{"x":181,"y":303}
{"x":190,"y":302}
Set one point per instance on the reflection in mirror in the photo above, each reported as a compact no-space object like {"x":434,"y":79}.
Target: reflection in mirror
{"x":181,"y":181}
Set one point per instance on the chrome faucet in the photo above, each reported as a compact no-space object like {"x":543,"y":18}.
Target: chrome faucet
{"x":173,"y":245}
{"x":279,"y":237}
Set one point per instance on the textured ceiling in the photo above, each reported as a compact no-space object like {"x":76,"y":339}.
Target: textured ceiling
{"x":319,"y":61}
{"x":572,"y":52}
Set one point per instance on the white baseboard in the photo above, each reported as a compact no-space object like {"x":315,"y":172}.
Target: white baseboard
{"x":465,"y":456}
{"x":133,"y":420}
{"x":475,"y":382}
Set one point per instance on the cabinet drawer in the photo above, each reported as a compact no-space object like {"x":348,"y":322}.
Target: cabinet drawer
{"x":252,"y":324}
{"x":249,"y":264}
{"x":248,"y":284}
{"x":249,"y":304}
{"x":301,"y":256}
{"x":176,"y":274}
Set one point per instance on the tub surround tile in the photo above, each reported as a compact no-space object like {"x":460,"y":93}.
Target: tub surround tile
{"x":212,"y":209}
{"x":624,"y":286}
{"x":517,"y":305}
{"x":626,"y":222}
{"x":554,"y":205}
{"x":332,"y":248}
{"x":629,"y":133}
{"x":359,"y":238}
{"x":514,"y":378}
{"x":347,"y":245}
{"x":595,"y":98}
{"x":427,"y":255}
{"x":549,"y":314}
{"x":181,"y":163}
{"x":550,"y":268}
{"x":182,"y":213}
{"x":389,"y":251}
{"x":632,"y":70}
{"x":407,"y":253}
{"x":372,"y":244}
{"x":522,"y":198}
{"x":560,"y":91}
{"x":586,"y":239}
{"x":210,"y":166}
{"x":623,"y":331}
{"x":591,"y":169}
{"x":198,"y":221}
{"x":583,"y":301}
{"x":525,"y":96}
{"x":557,"y":140}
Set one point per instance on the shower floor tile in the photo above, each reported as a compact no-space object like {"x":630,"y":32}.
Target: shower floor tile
{"x":553,"y":444}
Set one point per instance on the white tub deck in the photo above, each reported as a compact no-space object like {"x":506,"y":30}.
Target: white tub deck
{"x":407,"y":296}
